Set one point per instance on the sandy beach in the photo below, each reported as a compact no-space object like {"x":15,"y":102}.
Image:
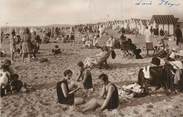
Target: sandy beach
{"x":42,"y":100}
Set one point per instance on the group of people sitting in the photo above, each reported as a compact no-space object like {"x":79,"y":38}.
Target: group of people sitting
{"x":66,"y":89}
{"x":90,"y":41}
{"x":129,"y":48}
{"x":164,"y":72}
{"x":9,"y":81}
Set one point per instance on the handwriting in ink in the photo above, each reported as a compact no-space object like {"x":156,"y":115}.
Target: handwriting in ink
{"x":144,"y":2}
{"x":168,"y":3}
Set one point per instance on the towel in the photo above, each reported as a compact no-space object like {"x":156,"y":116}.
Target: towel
{"x":146,"y":71}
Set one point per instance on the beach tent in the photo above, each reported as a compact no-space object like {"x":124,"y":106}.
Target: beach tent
{"x":165,"y":22}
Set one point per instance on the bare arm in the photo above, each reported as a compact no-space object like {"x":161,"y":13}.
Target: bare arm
{"x":109,"y":94}
{"x":102,"y":92}
{"x":64,"y":90}
{"x":73,"y":91}
{"x":81,"y":72}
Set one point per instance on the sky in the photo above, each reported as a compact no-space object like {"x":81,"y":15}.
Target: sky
{"x":46,"y":12}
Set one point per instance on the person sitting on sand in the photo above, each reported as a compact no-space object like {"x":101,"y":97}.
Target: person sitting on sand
{"x":109,"y":98}
{"x":86,"y":77}
{"x":56,"y":50}
{"x":176,"y":68}
{"x":64,"y":93}
{"x":13,"y":84}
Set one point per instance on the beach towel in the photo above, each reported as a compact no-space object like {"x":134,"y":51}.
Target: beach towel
{"x":146,"y":71}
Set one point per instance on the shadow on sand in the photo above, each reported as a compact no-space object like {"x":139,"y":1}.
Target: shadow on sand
{"x":128,"y":65}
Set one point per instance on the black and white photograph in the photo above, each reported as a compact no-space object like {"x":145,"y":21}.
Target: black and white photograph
{"x":91,"y":58}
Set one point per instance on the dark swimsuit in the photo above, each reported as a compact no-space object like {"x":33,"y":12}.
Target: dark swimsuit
{"x":61,"y":99}
{"x":114,"y":101}
{"x":88,"y":82}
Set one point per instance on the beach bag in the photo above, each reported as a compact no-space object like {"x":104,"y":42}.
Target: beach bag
{"x":113,"y":54}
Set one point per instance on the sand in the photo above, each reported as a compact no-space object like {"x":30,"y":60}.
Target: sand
{"x":42,"y":102}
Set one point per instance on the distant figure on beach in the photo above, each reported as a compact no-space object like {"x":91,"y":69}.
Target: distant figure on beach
{"x":64,"y":93}
{"x":56,"y":50}
{"x":109,"y":98}
{"x":1,"y":40}
{"x":13,"y":44}
{"x":110,"y":42}
{"x":179,"y":38}
{"x":26,"y":44}
{"x":149,"y":43}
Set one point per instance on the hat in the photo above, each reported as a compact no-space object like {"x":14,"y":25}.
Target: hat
{"x":155,"y":61}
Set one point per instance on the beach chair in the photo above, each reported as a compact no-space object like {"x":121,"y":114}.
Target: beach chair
{"x":150,"y":47}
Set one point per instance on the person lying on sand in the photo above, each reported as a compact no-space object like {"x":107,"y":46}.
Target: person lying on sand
{"x":64,"y":93}
{"x":99,"y":59}
{"x":86,"y":77}
{"x":109,"y":98}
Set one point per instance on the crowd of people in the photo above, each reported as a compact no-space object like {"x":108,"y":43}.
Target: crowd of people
{"x":166,"y":68}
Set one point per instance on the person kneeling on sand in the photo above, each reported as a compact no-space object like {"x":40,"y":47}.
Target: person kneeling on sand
{"x":109,"y":98}
{"x":64,"y":93}
{"x":86,"y":77}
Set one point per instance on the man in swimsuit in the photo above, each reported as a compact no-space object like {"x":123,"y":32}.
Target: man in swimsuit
{"x":109,"y":98}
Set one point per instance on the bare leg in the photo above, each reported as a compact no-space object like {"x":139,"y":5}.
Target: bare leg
{"x":92,"y":104}
{"x":23,"y":57}
{"x":78,"y":101}
{"x":12,"y":56}
{"x":29,"y":57}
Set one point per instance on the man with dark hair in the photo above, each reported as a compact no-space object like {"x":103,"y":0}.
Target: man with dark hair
{"x":109,"y":98}
{"x":178,"y":35}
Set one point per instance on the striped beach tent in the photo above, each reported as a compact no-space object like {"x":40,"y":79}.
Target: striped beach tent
{"x":164,"y":22}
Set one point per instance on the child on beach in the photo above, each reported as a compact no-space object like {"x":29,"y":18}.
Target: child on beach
{"x":86,"y":77}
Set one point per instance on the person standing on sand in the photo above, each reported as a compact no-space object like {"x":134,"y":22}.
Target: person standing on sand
{"x":1,"y":40}
{"x":148,"y":41}
{"x":109,"y":98}
{"x":179,"y":38}
{"x":86,"y":77}
{"x":64,"y":93}
{"x":12,"y":45}
{"x":26,"y":44}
